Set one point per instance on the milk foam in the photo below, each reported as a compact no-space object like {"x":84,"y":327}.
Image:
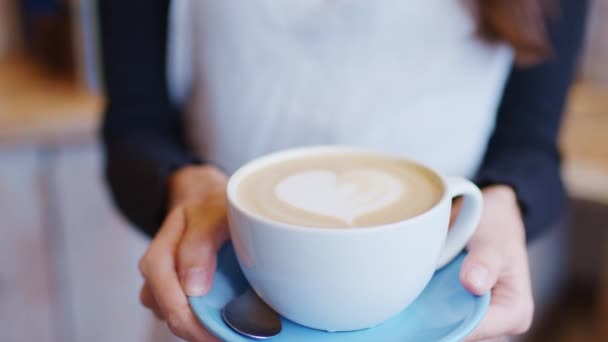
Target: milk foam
{"x":339,"y":190}
{"x":344,"y":196}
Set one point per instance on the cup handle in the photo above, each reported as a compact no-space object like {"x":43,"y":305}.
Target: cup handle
{"x":468,"y":218}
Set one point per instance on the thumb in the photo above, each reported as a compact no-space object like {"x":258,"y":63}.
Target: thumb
{"x":481,"y":268}
{"x":196,"y":256}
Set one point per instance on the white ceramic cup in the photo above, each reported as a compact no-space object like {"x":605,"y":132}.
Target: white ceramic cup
{"x":352,"y":278}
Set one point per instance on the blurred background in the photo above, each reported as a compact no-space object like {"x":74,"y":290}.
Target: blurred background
{"x":68,"y":260}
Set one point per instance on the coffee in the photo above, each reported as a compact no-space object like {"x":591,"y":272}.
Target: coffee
{"x":339,"y":190}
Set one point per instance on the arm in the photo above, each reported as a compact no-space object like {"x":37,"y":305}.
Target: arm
{"x":144,"y":148}
{"x":142,"y":131}
{"x":522,"y":152}
{"x":523,"y":191}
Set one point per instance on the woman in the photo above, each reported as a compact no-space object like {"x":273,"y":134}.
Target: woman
{"x":474,"y":90}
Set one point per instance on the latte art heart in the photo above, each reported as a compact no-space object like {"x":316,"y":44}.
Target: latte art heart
{"x":344,"y":196}
{"x":339,"y":190}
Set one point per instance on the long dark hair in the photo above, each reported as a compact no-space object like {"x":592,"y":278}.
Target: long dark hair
{"x":521,"y":23}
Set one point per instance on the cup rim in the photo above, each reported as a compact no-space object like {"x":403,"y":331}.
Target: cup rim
{"x":236,"y":178}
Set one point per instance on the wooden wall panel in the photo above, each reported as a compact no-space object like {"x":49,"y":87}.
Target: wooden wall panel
{"x":26,"y":294}
{"x":102,"y":253}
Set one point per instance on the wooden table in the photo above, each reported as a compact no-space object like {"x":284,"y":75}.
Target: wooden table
{"x":38,"y":109}
{"x":584,"y":142}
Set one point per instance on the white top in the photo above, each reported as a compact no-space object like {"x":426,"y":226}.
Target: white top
{"x":407,"y":77}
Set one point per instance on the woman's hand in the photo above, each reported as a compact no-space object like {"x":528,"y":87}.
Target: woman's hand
{"x":497,"y":260}
{"x":181,"y":259}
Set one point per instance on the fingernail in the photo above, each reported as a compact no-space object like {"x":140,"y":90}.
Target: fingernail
{"x":195,"y":282}
{"x":478,"y":276}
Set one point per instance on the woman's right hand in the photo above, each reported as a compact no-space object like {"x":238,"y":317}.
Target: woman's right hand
{"x":181,"y":258}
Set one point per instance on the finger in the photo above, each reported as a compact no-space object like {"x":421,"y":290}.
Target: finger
{"x":170,"y":232}
{"x":158,"y":267}
{"x":512,"y":307}
{"x":506,"y":316}
{"x":174,"y":306}
{"x":147,"y":299}
{"x":196,"y":259}
{"x":481,"y":267}
{"x":495,"y":323}
{"x":166,"y":239}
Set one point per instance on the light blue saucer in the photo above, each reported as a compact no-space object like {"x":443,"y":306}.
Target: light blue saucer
{"x":445,"y":311}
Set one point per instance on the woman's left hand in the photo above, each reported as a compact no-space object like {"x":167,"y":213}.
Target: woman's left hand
{"x":497,"y":260}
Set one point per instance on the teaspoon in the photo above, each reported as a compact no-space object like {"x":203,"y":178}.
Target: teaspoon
{"x":248,"y":315}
